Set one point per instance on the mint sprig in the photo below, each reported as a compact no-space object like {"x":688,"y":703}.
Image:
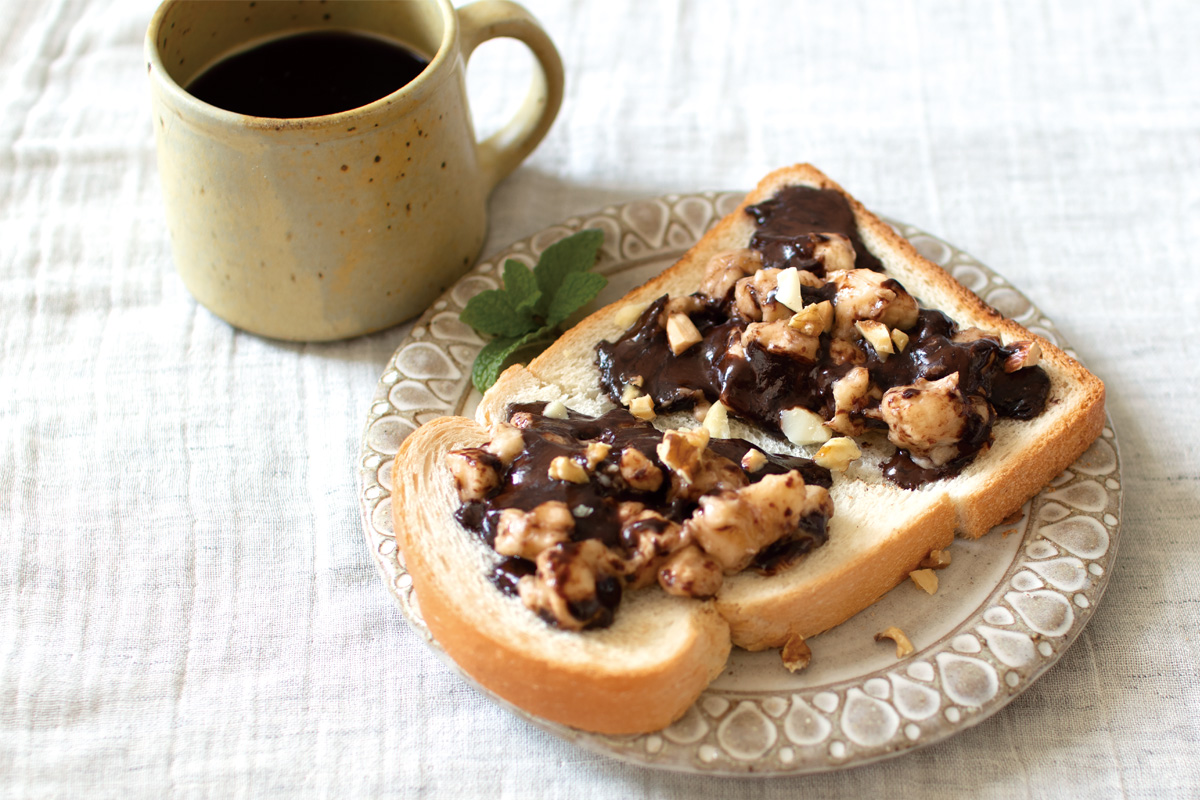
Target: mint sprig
{"x":526,"y":315}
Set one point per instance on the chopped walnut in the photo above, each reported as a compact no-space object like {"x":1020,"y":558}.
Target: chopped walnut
{"x":506,"y":442}
{"x":682,"y":333}
{"x":877,"y":334}
{"x":639,"y":472}
{"x":716,"y":421}
{"x":475,"y":477}
{"x":527,"y":533}
{"x":595,"y":453}
{"x":903,"y":646}
{"x":836,"y":454}
{"x":865,"y":294}
{"x":928,"y":418}
{"x":696,"y":470}
{"x":937,"y":559}
{"x":726,"y":269}
{"x":565,"y":468}
{"x":779,"y":338}
{"x":796,"y":653}
{"x":642,"y":407}
{"x":927,"y":579}
{"x":802,"y":426}
{"x":733,"y":525}
{"x":814,"y":319}
{"x":691,"y":572}
{"x":753,"y":460}
{"x":1025,"y":354}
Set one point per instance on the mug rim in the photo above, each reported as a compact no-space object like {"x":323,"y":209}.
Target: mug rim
{"x":426,"y":81}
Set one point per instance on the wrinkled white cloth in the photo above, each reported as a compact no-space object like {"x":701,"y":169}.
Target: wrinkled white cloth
{"x":187,"y":606}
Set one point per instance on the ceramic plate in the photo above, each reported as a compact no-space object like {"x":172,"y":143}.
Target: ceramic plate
{"x":1006,"y":609}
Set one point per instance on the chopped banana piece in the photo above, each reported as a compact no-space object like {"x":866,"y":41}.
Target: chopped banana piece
{"x":716,"y":421}
{"x":900,"y":339}
{"x":802,"y":426}
{"x":836,"y":454}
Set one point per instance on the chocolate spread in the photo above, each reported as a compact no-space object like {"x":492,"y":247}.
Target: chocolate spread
{"x":524,"y":484}
{"x":757,"y":385}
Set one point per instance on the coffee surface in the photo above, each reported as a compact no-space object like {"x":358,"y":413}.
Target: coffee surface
{"x":308,"y":75}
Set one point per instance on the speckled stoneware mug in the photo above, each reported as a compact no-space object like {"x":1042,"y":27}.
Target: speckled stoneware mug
{"x":321,"y":228}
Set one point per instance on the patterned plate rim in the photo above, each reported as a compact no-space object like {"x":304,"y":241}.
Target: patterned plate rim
{"x":1035,"y":611}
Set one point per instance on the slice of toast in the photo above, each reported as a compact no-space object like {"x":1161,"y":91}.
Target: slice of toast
{"x":660,"y":653}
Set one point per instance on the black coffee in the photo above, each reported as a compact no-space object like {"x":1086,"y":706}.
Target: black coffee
{"x":308,"y":75}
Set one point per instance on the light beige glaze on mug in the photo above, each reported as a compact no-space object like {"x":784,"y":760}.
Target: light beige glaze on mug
{"x":328,"y":227}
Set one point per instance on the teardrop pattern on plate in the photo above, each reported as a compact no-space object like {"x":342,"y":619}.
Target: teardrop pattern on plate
{"x":649,"y":219}
{"x":1099,"y":459}
{"x":867,"y":721}
{"x":1085,"y":496}
{"x":914,"y":701}
{"x":747,"y":734}
{"x":1083,"y":536}
{"x":967,"y":681}
{"x":386,"y":433}
{"x":1066,"y":574}
{"x":425,"y":361}
{"x":803,"y":725}
{"x":448,"y":327}
{"x":695,"y":212}
{"x":689,"y":728}
{"x":470,"y":286}
{"x":1011,"y":648}
{"x":414,"y":396}
{"x":1047,"y":612}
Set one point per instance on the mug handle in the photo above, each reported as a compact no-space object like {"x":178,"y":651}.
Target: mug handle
{"x":501,"y":152}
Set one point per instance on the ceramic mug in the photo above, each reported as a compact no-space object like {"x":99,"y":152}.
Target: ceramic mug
{"x":321,"y":228}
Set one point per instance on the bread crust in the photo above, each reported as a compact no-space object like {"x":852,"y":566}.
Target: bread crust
{"x":878,"y":534}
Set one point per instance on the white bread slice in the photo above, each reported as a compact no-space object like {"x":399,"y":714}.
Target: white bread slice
{"x":643,"y":672}
{"x":640,"y":674}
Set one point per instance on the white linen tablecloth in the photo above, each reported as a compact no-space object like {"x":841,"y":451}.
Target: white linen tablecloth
{"x":187,"y":606}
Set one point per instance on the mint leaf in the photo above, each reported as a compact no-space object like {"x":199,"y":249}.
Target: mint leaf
{"x":575,"y":253}
{"x":577,"y":289}
{"x":495,"y":354}
{"x":526,"y":313}
{"x":522,"y":288}
{"x":494,"y":312}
